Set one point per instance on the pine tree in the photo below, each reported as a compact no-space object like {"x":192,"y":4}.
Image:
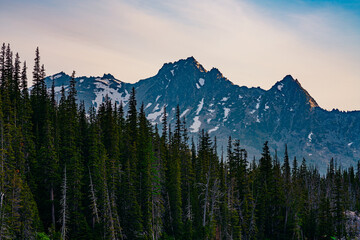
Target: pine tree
{"x":264,"y":194}
{"x":156,"y":187}
{"x":2,"y":64}
{"x":8,"y":69}
{"x":70,"y":155}
{"x":288,"y":194}
{"x":339,"y":218}
{"x":145,"y":156}
{"x":38,"y":81}
{"x":132,"y":119}
{"x":26,"y":125}
{"x":325,"y":228}
{"x":187,"y":180}
{"x":132,"y":220}
{"x":132,"y":217}
{"x":286,"y":167}
{"x":173,"y":178}
{"x":15,"y":88}
{"x":50,"y":166}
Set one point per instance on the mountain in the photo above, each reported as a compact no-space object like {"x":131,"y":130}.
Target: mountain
{"x":284,"y":114}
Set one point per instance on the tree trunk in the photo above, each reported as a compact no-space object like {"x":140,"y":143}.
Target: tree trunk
{"x":52,"y":205}
{"x":206,"y":197}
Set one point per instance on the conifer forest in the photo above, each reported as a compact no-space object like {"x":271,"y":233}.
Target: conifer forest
{"x":67,"y":172}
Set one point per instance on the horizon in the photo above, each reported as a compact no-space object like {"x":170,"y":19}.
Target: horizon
{"x":253,"y":43}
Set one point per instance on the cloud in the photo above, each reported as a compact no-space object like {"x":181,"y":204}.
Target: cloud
{"x":249,"y":43}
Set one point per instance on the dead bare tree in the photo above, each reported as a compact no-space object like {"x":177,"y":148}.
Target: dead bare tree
{"x":93,"y":201}
{"x":206,"y":195}
{"x":216,"y":194}
{"x":63,"y":203}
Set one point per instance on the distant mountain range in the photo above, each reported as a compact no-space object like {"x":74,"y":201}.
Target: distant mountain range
{"x":284,"y":114}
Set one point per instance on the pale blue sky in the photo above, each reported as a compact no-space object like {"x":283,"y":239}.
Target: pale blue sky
{"x":252,"y":42}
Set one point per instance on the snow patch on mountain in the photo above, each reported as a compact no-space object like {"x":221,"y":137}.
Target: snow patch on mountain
{"x":266,"y":106}
{"x":226,"y":114}
{"x":102,"y":90}
{"x":58,"y":89}
{"x":156,"y":107}
{"x":201,"y":81}
{"x":280,"y":86}
{"x":213,"y":129}
{"x":184,"y":113}
{"x":57,"y":76}
{"x":310,"y":136}
{"x":148,"y":105}
{"x":104,"y":81}
{"x":167,"y":85}
{"x":195,"y":127}
{"x":258,"y":103}
{"x":153,"y":116}
{"x":200,"y":106}
{"x":257,"y":119}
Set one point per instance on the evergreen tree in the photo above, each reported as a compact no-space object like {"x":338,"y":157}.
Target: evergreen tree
{"x":265,"y":182}
{"x":2,"y":64}
{"x":133,"y":227}
{"x":173,"y":177}
{"x":145,"y":156}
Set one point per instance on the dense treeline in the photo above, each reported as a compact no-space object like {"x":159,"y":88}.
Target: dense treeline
{"x":70,"y":174}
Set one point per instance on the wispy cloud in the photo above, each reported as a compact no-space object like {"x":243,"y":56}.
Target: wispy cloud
{"x":249,"y":42}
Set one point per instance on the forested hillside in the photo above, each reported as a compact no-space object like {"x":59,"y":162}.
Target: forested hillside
{"x":108,"y":174}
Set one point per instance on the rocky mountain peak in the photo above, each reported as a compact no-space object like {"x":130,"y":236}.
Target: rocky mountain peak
{"x":108,"y":76}
{"x":287,"y":83}
{"x":59,"y":79}
{"x":215,"y":72}
{"x":291,"y":89}
{"x":191,"y":61}
{"x":187,"y":64}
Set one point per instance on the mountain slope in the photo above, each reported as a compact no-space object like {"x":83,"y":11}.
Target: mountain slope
{"x":286,"y":113}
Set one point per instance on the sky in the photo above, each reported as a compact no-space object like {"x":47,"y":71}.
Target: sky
{"x":252,"y":42}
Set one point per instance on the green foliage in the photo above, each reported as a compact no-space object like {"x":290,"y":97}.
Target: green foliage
{"x":42,"y":236}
